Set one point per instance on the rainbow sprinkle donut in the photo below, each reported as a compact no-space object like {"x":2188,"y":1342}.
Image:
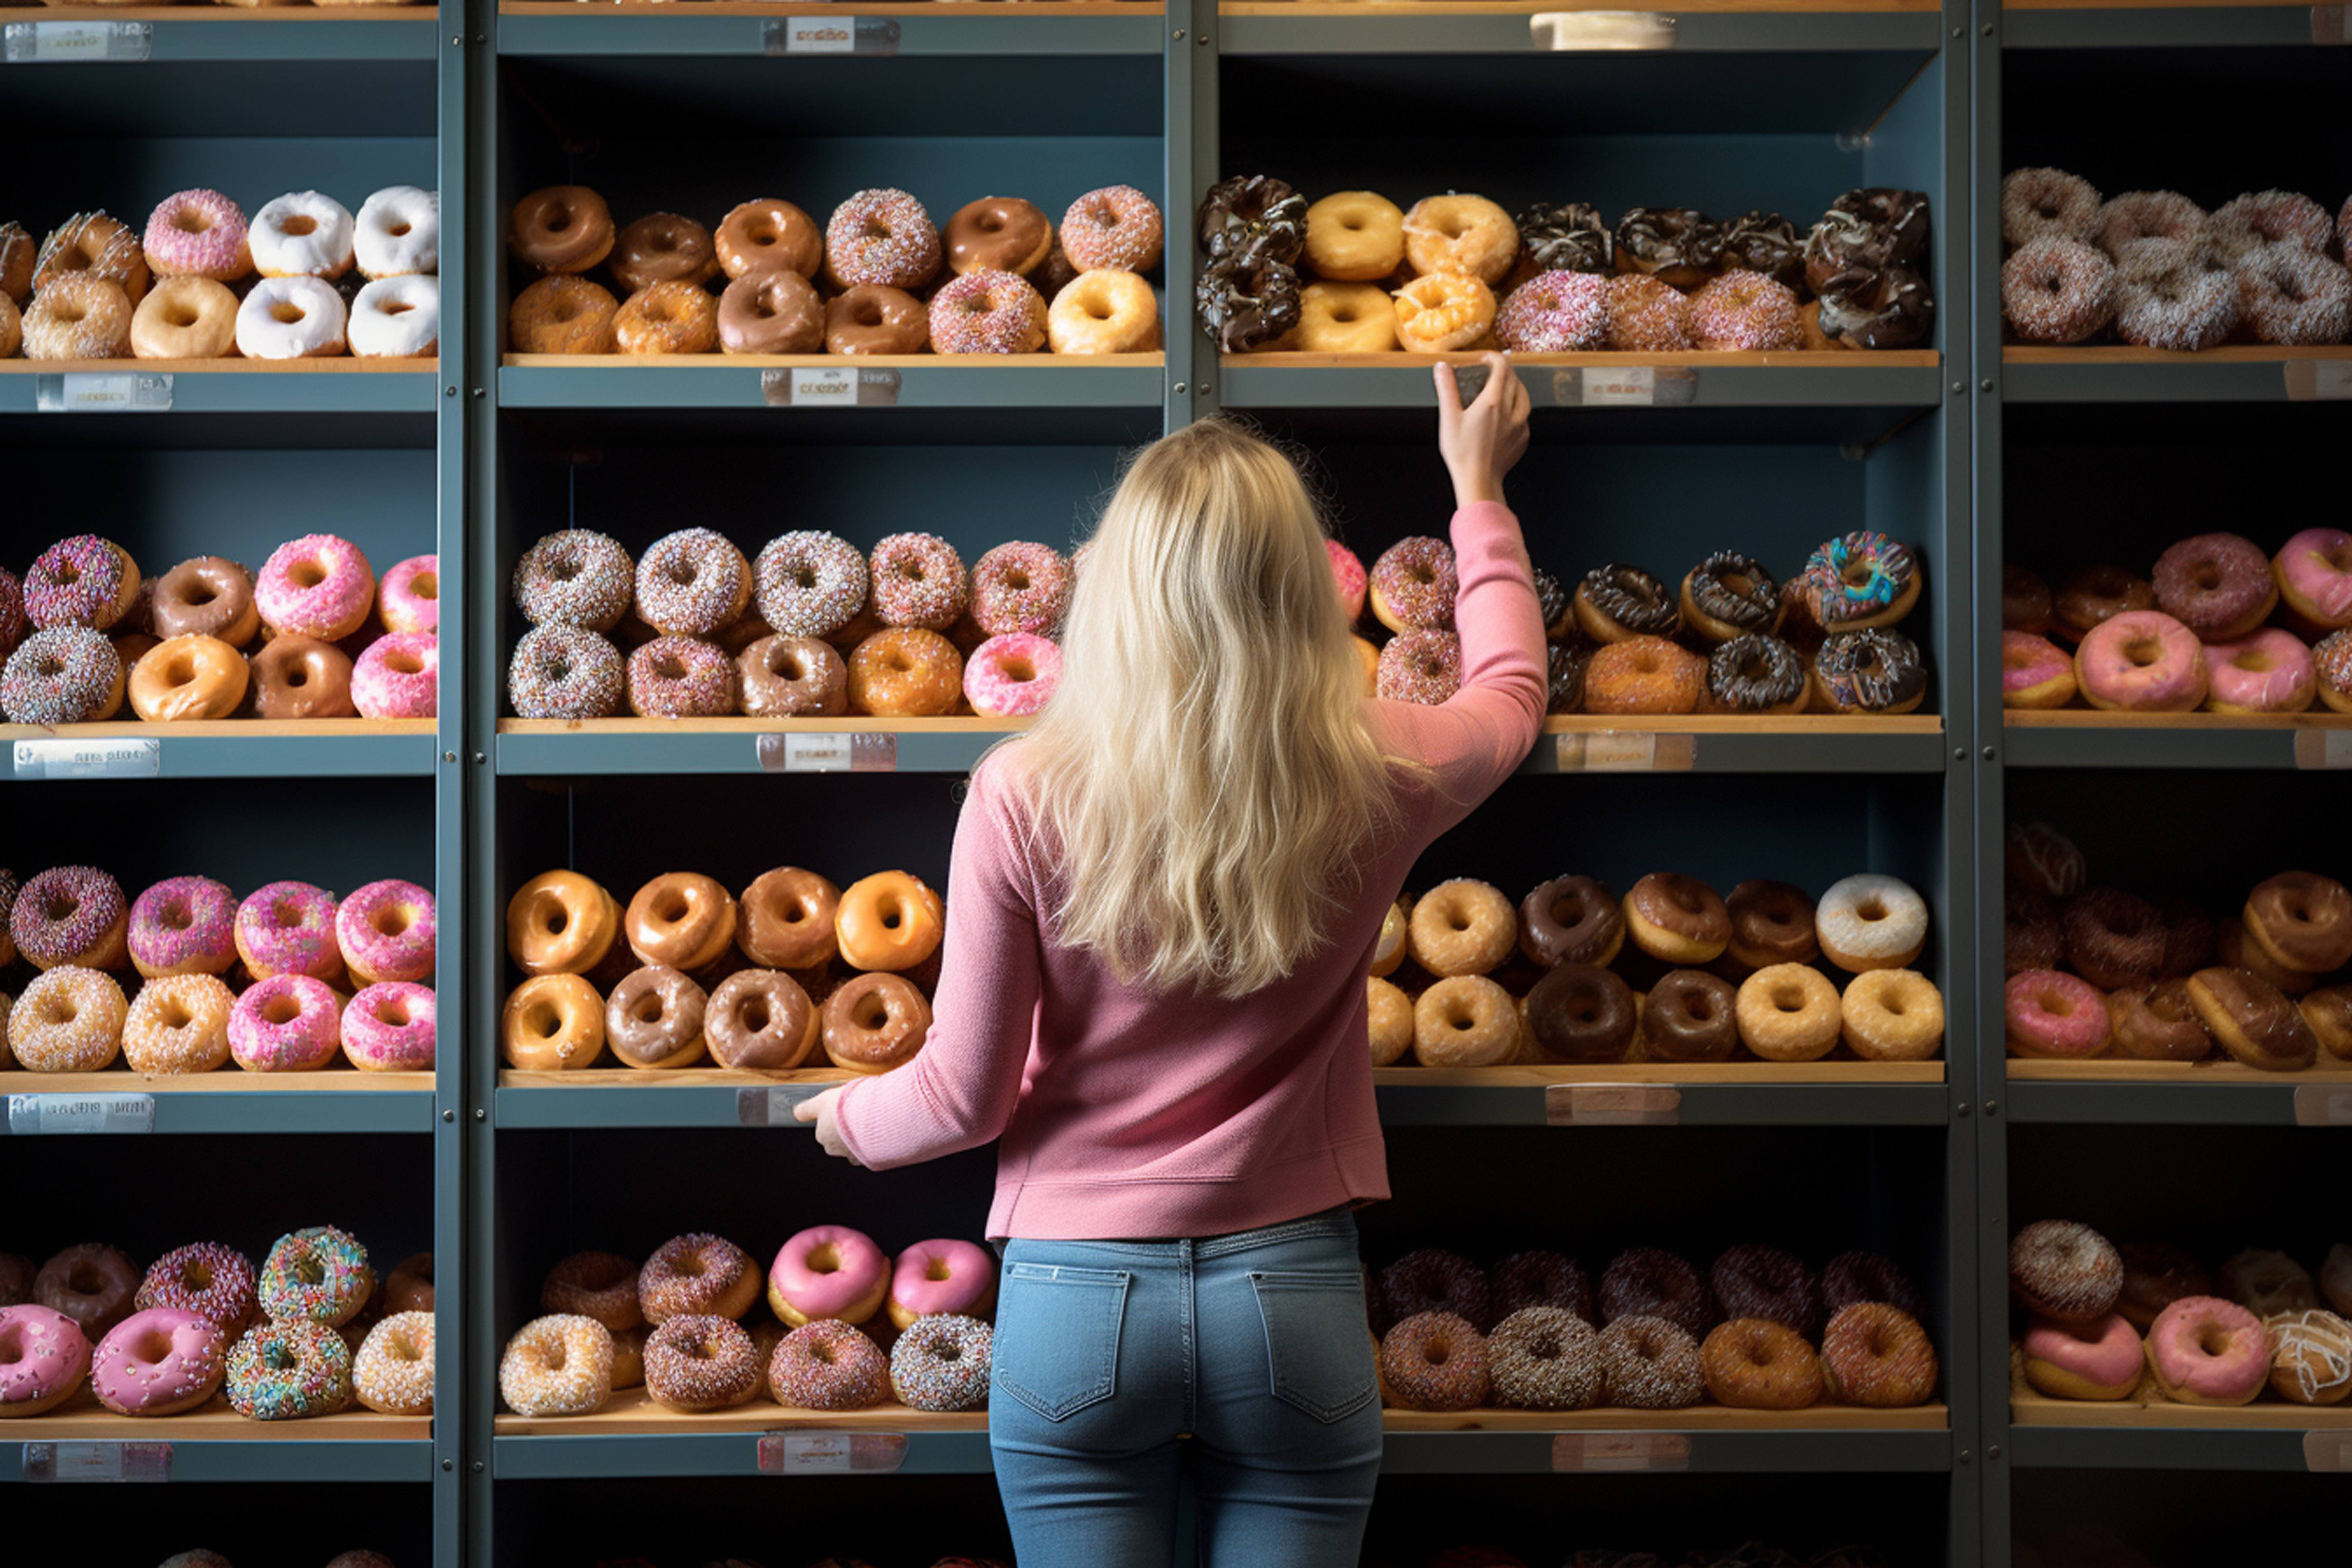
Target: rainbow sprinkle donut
{"x":388,"y":1028}
{"x":317,"y":1275}
{"x":1862,"y":580}
{"x":285,"y":1371}
{"x":183,"y":926}
{"x":205,"y":1277}
{"x":385,"y":932}
{"x":84,"y":581}
{"x":289,"y":927}
{"x":287,"y":1023}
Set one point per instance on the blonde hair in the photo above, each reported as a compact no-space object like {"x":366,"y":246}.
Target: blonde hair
{"x":1206,"y":775}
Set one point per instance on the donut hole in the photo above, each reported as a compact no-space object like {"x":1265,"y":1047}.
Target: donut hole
{"x":84,"y":1279}
{"x":937,"y":1270}
{"x":193,"y":220}
{"x":670,"y":908}
{"x":196,"y":1275}
{"x":670,"y":666}
{"x":870,"y":1012}
{"x":1018,"y":669}
{"x":400,"y":661}
{"x":176,"y":314}
{"x":287,"y":312}
{"x":395,"y":307}
{"x":299,"y":225}
{"x":280,"y":1010}
{"x":558,"y":220}
{"x":755,"y":1017}
{"x":647,"y":1008}
{"x":1788,"y":997}
{"x":2143,"y":652}
{"x":278,"y":1356}
{"x":392,"y":1012}
{"x":866,"y":313}
{"x":306,"y":572}
{"x":175,"y":1014}
{"x":825,"y":1258}
{"x":149,"y":1345}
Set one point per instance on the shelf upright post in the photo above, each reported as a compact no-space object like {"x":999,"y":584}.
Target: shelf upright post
{"x":1188,"y":146}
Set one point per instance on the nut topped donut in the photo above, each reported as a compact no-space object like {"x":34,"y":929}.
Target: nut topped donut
{"x":881,"y":237}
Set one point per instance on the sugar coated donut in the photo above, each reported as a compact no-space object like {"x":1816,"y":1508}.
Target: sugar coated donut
{"x":881,"y":237}
{"x":2206,"y":1351}
{"x":1644,"y":675}
{"x":669,"y":317}
{"x":1677,"y":918}
{"x":44,"y":1358}
{"x":1650,"y":1364}
{"x":396,"y":318}
{"x":384,"y":932}
{"x":873,"y":1022}
{"x":388,"y":1028}
{"x":159,"y":1362}
{"x":1413,"y":585}
{"x":2135,"y":216}
{"x":392,"y":1370}
{"x":809,"y":584}
{"x":71,"y":914}
{"x":2333,"y":660}
{"x":1019,"y":587}
{"x":919,"y":581}
{"x":2295,"y":297}
{"x":1440,"y":312}
{"x":2098,"y":1359}
{"x":563,"y":315}
{"x":84,"y":581}
{"x":1894,"y":1014}
{"x":1464,"y":1021}
{"x":1555,"y":312}
{"x":1871,"y":921}
{"x":2050,"y":1014}
{"x":1466,"y":235}
{"x":576,"y":577}
{"x":2035,"y":672}
{"x":2056,"y":290}
{"x":1435,"y":1361}
{"x":2269,"y":671}
{"x":599,"y":1285}
{"x":178,"y":1024}
{"x":78,"y":316}
{"x":62,"y":675}
{"x":1389,"y":1012}
{"x":890,"y":921}
{"x":2046,"y":203}
{"x":680,"y":677}
{"x":319,"y":586}
{"x":1422,"y":666}
{"x":828,"y":1365}
{"x":561,"y":1364}
{"x":2065,"y":1270}
{"x":942,"y":1363}
{"x":2142,"y":661}
{"x":988,"y":313}
{"x":1544,"y":1358}
{"x":2259,"y":220}
{"x":1012,"y":676}
{"x":1876,"y":1355}
{"x":69,"y":1019}
{"x":934,"y":1277}
{"x":2249,"y":1016}
{"x":1789,"y":1012}
{"x":289,"y":1371}
{"x":1757,"y":1364}
{"x":2218,"y":585}
{"x":2174,"y":294}
{"x":289,"y":927}
{"x":182,"y":926}
{"x":1646,"y":316}
{"x":1462,"y":927}
{"x":697,"y":1273}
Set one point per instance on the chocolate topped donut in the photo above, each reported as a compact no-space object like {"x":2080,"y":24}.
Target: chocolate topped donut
{"x":1771,"y":923}
{"x":1619,"y":601}
{"x":1680,"y":246}
{"x":208,"y":596}
{"x":2065,"y":1269}
{"x":1764,"y":242}
{"x":776,"y":312}
{"x":1861,"y":1277}
{"x":1433,"y":1280}
{"x":301,"y":678}
{"x":1253,"y":216}
{"x":2114,"y":939}
{"x":2156,"y":1275}
{"x":1734,"y":590}
{"x":1578,"y":1012}
{"x":1543,"y":1280}
{"x":1247,"y":301}
{"x":1689,"y":1016}
{"x":1651,"y":1282}
{"x":1765,"y":1282}
{"x":1569,"y":238}
{"x":1881,"y":308}
{"x":1756,"y":673}
{"x":1570,"y":919}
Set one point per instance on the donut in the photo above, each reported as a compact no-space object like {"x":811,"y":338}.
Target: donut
{"x":905,"y":672}
{"x":2260,"y":220}
{"x":159,"y":1362}
{"x":71,"y":915}
{"x":1746,"y":311}
{"x":1116,"y":228}
{"x":683,"y":919}
{"x":1431,"y":1280}
{"x":2311,"y":1356}
{"x":2206,"y":1351}
{"x":827,"y":1366}
{"x":1390,"y":1015}
{"x":182,"y":926}
{"x":1103,"y":313}
{"x":396,"y":318}
{"x":289,"y":1371}
{"x":1650,"y":1364}
{"x":553,"y":1023}
{"x":1467,"y":1021}
{"x":319,"y":586}
{"x":1253,"y":213}
{"x":2158,"y":1023}
{"x":398,"y":232}
{"x":919,"y":581}
{"x":1647,"y":316}
{"x":663,"y":247}
{"x":1677,"y":919}
{"x":2055,"y":291}
{"x":1544,"y":1358}
{"x":2218,"y":585}
{"x":1355,"y":236}
{"x":872,"y":318}
{"x":2043,"y":203}
{"x":1555,"y":312}
{"x":78,"y":316}
{"x":563,"y":315}
{"x":1871,"y":921}
{"x":2313,"y":570}
{"x":2065,"y":1270}
{"x":188,"y":678}
{"x":890,"y":921}
{"x":197,"y":234}
{"x":2040,"y":858}
{"x":2155,"y":1276}
{"x":669,"y":318}
{"x":2137,"y":216}
{"x":178,"y":1024}
{"x":1758,"y":1364}
{"x":1247,"y":301}
{"x":1644,"y":675}
{"x":206,"y":1279}
{"x":772,"y":312}
{"x":810,"y":585}
{"x":559,"y":922}
{"x":69,"y":1019}
{"x":2269,"y":671}
{"x":2295,"y":297}
{"x":1878,"y":1355}
{"x":1346,"y":318}
{"x":84,"y":581}
{"x":1414,"y":585}
{"x":1580,"y":1013}
{"x":1852,"y":1277}
{"x":1690,"y":1016}
{"x":1462,"y":927}
{"x":1771,"y":923}
{"x":184,"y":318}
{"x":942,"y":1363}
{"x":935,"y":1277}
{"x":1435,"y":1361}
{"x":988,"y":313}
{"x":1569,"y":236}
{"x":2174,"y":294}
{"x":560,"y":228}
{"x":1860,"y":581}
{"x":1438,"y":312}
{"x":44,"y":1358}
{"x":768,"y":235}
{"x":697,"y":1273}
{"x":90,"y":247}
{"x":565,"y":672}
{"x":760,"y":1020}
{"x":288,"y":1022}
{"x":1464,"y":236}
{"x":2250,"y":1017}
{"x":1542,"y":1279}
{"x":2114,"y":939}
{"x":881,"y":237}
{"x":696,"y":1363}
{"x":292,"y":318}
{"x":598,"y":1285}
{"x":680,"y":677}
{"x":875,"y":1023}
{"x":561,"y":1364}
{"x":287,"y":927}
{"x":384,"y":932}
{"x":1762,"y":1283}
{"x":93,"y":1284}
{"x":392,"y":1370}
{"x":1002,"y":234}
{"x":2089,"y":597}
{"x":2049,"y":1013}
{"x":2327,"y":1011}
{"x":315,"y":1274}
{"x":1571,"y":919}
{"x":62,"y":675}
{"x":1676,"y":246}
{"x":2332,"y":661}
{"x":388,"y":1028}
{"x":1728,"y":595}
{"x":2025,"y":601}
{"x":1618,"y":601}
{"x":1651,"y":1282}
{"x":1012,"y":676}
{"x":2035,"y":672}
{"x":2265,"y":1283}
{"x":1893,"y":1015}
{"x":1788,"y":1012}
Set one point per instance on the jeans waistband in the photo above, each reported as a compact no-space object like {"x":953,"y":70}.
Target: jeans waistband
{"x":1332,"y":1222}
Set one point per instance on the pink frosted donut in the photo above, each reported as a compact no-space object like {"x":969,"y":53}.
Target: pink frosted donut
{"x":385,"y":932}
{"x":935,"y":1277}
{"x":2053,"y":1014}
{"x":183,"y":926}
{"x":2206,"y":1351}
{"x":2314,"y":575}
{"x":1420,"y":665}
{"x":205,"y":1277}
{"x":288,"y":1022}
{"x":828,"y":1271}
{"x":1413,"y":584}
{"x":1115,"y":229}
{"x":44,"y":1356}
{"x":2057,"y":291}
{"x":1746,"y":311}
{"x":917,"y":581}
{"x":1021,"y":588}
{"x":315,"y":587}
{"x":2217,"y":585}
{"x":159,"y":1363}
{"x":2294,"y":297}
{"x":988,"y":313}
{"x":828,"y":1365}
{"x":398,"y":676}
{"x":2097,"y":1360}
{"x":1012,"y":676}
{"x":198,"y":233}
{"x":2035,"y":672}
{"x":2270,"y":672}
{"x":882,"y":236}
{"x":1348,"y":576}
{"x":1555,"y":312}
{"x":2142,"y":661}
{"x":409,"y":598}
{"x":289,"y":927}
{"x":388,"y":1028}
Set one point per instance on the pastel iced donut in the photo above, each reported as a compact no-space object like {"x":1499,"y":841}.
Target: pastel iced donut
{"x":398,"y":676}
{"x":183,"y":926}
{"x":2207,"y":1351}
{"x":409,"y":598}
{"x":302,"y":233}
{"x":2097,"y":1360}
{"x":1347,"y":577}
{"x":2271,"y":671}
{"x":198,"y":233}
{"x":289,"y":927}
{"x":319,"y":586}
{"x":385,"y":932}
{"x":288,"y":1022}
{"x":2050,"y":1014}
{"x":44,"y":1356}
{"x":935,"y":1277}
{"x":1012,"y":676}
{"x":2141,"y":661}
{"x":2314,"y":575}
{"x":159,"y":1362}
{"x":398,"y":231}
{"x":388,"y":1028}
{"x":828,"y":1271}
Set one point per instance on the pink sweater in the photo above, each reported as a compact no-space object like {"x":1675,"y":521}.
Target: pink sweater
{"x":1127,"y":1114}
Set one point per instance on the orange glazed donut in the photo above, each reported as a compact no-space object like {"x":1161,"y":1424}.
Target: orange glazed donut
{"x":1444,"y":310}
{"x":563,"y":315}
{"x":890,"y":921}
{"x":553,"y":1023}
{"x":670,"y":317}
{"x":1755,"y":1363}
{"x":905,"y":672}
{"x":188,"y":678}
{"x":683,"y":920}
{"x":559,"y":922}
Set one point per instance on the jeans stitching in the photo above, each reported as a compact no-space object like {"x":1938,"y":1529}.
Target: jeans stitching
{"x":1103,"y":1385}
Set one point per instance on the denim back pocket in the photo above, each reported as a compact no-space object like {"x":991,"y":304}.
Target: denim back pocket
{"x":1058,"y":1336}
{"x":1317,"y":1342}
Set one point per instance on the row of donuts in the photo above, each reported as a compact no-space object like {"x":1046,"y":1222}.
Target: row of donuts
{"x":1758,"y":1330}
{"x":813,"y":628}
{"x":2162,"y":272}
{"x":1426,"y":279}
{"x":851,"y":1327}
{"x":84,"y":628}
{"x":878,"y":253}
{"x":2146,"y":1321}
{"x":305,"y":1334}
{"x":186,"y":287}
{"x":756,"y":983}
{"x":2219,"y":624}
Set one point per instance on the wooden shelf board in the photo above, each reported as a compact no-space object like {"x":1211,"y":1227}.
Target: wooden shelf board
{"x":230,"y":1079}
{"x":82,"y":1417}
{"x":633,"y":1412}
{"x":844,"y":362}
{"x":1751,"y":724}
{"x":669,"y":1077}
{"x":2104,"y":719}
{"x":2125,"y":353}
{"x":1804,"y":359}
{"x":756,"y":726}
{"x":228,"y":14}
{"x":1747,"y":1072}
{"x":221,"y":729}
{"x":2216,"y":1068}
{"x":820,"y":7}
{"x":2267,"y":1413}
{"x":1560,"y":724}
{"x":1532,"y":8}
{"x":339,"y":365}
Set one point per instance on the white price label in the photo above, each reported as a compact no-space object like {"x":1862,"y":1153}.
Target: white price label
{"x":829,"y":386}
{"x":824,"y":389}
{"x":102,"y":392}
{"x":1583,"y":32}
{"x":51,"y":1114}
{"x":831,"y":1453}
{"x":772,"y":1105}
{"x":828,"y":752}
{"x":2317,"y":380}
{"x":87,"y":758}
{"x":2327,"y":1452}
{"x":1612,"y":1104}
{"x":1635,"y":383}
{"x":1623,"y":751}
{"x":831,"y":35}
{"x":98,"y":1461}
{"x":65,"y":43}
{"x":1586,"y":1452}
{"x":1624,"y":386}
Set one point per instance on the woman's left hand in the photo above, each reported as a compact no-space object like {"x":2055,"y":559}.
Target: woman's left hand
{"x":819,"y":1110}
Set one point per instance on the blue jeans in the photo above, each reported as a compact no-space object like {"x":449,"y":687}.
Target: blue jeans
{"x":1246,"y":1357}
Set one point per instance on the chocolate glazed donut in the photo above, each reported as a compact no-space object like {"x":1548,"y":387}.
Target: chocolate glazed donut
{"x":772,"y":312}
{"x":1247,"y":301}
{"x":1571,"y":919}
{"x":1771,"y":923}
{"x":1253,"y":216}
{"x":1578,"y":1012}
{"x":1569,"y":238}
{"x":207,"y":596}
{"x":1620,"y":601}
{"x":1765,"y":1282}
{"x":1651,"y":1282}
{"x":1680,"y":246}
{"x":1543,"y":1280}
{"x":1689,"y":1016}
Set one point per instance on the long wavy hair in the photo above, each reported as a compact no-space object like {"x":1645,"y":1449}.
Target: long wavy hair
{"x":1205,"y":774}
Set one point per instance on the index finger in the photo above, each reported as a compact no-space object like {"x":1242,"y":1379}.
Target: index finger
{"x":806,"y":1109}
{"x":1449,"y":392}
{"x":1500,"y":378}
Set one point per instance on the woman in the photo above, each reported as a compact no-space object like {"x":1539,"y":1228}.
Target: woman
{"x":1162,"y":913}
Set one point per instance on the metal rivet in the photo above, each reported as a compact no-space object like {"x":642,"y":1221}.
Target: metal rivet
{"x":481,"y":1115}
{"x":1988,"y":29}
{"x":1988,"y":754}
{"x":481,"y":392}
{"x":477,"y":1467}
{"x":1992,"y":1107}
{"x":448,"y":392}
{"x":1958,"y":31}
{"x":458,"y":42}
{"x":1179,"y":386}
{"x":1960,"y":754}
{"x":1964,"y":1108}
{"x":1965,"y":1456}
{"x":1985,"y":384}
{"x":448,"y":756}
{"x":1204,"y":40}
{"x":1179,"y":35}
{"x":1206,"y":389}
{"x":448,"y":1464}
{"x":448,"y":1116}
{"x":479,"y":759}
{"x":1960,"y":386}
{"x":481,"y":37}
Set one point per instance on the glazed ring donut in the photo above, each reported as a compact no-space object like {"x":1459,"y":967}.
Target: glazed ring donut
{"x":1438,"y":312}
{"x":553,"y":1023}
{"x":760,"y":1018}
{"x":2158,"y":1022}
{"x":905,"y":672}
{"x":1576,"y":919}
{"x":2328,"y":1012}
{"x":670,"y":317}
{"x":559,"y":922}
{"x":1103,"y":313}
{"x":1690,"y":1016}
{"x":2302,"y":921}
{"x":683,"y":920}
{"x":2253,"y":1020}
{"x":1771,"y":923}
{"x":785,"y":919}
{"x":1392,"y":1021}
{"x":890,"y":921}
{"x":557,"y":1365}
{"x":875,"y":1023}
{"x":1355,"y":236}
{"x":875,"y":319}
{"x":188,"y":678}
{"x":1677,"y":919}
{"x":562,"y":228}
{"x":563,"y":315}
{"x":998,"y":234}
{"x":772,"y":313}
{"x":1466,"y":1021}
{"x":1462,"y":927}
{"x":1789,"y":1012}
{"x":95,"y":246}
{"x":1346,"y":319}
{"x":1892,"y":1015}
{"x":1878,"y":1355}
{"x":653,"y":1019}
{"x":765,"y":234}
{"x":1465,"y":236}
{"x":663,"y":247}
{"x":1755,"y":1363}
{"x":184,"y":318}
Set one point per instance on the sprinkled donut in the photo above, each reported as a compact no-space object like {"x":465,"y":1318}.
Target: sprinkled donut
{"x":2332,"y":660}
{"x":919,"y":581}
{"x":206,"y":1278}
{"x":2065,"y":1270}
{"x":1752,"y":1281}
{"x":561,"y":1364}
{"x":1874,"y":671}
{"x":1019,"y":587}
{"x":1878,"y":1355}
{"x":577,"y":577}
{"x":681,"y":678}
{"x":84,"y":581}
{"x":2057,"y":291}
{"x":1745,"y":310}
{"x":289,"y":1371}
{"x":943,"y":1362}
{"x":319,"y":586}
{"x":71,"y":914}
{"x":1012,"y":676}
{"x":1651,"y":1364}
{"x":1527,"y":1280}
{"x":178,"y":1024}
{"x":287,"y":1023}
{"x":62,"y":675}
{"x":599,"y":1285}
{"x":1651,"y":1282}
{"x":1116,"y":228}
{"x":2135,"y":215}
{"x":2168,"y":296}
{"x":565,"y":672}
{"x":881,"y":237}
{"x":1862,"y":580}
{"x":1435,"y":1361}
{"x":2218,"y":585}
{"x":697,"y":1273}
{"x":388,"y":1028}
{"x":692,"y":582}
{"x":288,"y":927}
{"x":988,"y":313}
{"x":2295,"y":297}
{"x":1544,"y":1358}
{"x":409,"y":596}
{"x":828,"y":1365}
{"x":1348,"y":576}
{"x":1420,"y":665}
{"x":809,"y":584}
{"x":69,"y":1019}
{"x":198,"y":233}
{"x":2047,"y":203}
{"x":1647,"y":316}
{"x":385,"y":932}
{"x":315,"y":1274}
{"x":1555,"y":312}
{"x":2247,"y":224}
{"x":697,"y":1363}
{"x":394,"y":1369}
{"x":1413,"y":585}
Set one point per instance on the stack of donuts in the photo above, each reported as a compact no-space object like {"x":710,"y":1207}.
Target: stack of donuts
{"x":312,"y":635}
{"x":879,"y":278}
{"x":846,"y":1327}
{"x":2147,"y":1323}
{"x":2221,"y":623}
{"x":310,"y":1331}
{"x":2270,"y":981}
{"x":1462,"y":979}
{"x":1662,"y":280}
{"x":811,"y":628}
{"x":285,"y":981}
{"x":1758,"y":1330}
{"x":305,"y":278}
{"x":688,"y":970}
{"x":2155,"y":269}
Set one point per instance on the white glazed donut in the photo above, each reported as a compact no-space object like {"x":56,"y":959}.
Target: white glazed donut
{"x":397,"y":318}
{"x":399,"y":231}
{"x":291,"y":318}
{"x":1871,"y":921}
{"x":302,"y":235}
